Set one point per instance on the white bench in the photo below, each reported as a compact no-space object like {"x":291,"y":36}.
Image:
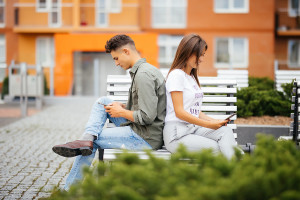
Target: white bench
{"x":241,"y":76}
{"x":218,"y":102}
{"x":285,"y":76}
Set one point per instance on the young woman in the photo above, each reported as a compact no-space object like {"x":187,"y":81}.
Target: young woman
{"x":184,"y":122}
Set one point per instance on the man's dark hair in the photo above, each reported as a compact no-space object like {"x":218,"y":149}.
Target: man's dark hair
{"x":118,"y":41}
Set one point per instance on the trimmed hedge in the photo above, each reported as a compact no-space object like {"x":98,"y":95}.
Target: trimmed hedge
{"x":272,"y":172}
{"x":260,"y":98}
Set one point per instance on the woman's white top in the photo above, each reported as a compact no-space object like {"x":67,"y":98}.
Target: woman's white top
{"x":178,"y":80}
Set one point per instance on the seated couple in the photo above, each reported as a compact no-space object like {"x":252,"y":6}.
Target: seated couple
{"x":156,"y":110}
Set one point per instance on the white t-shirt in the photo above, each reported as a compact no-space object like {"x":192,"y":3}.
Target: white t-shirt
{"x":178,"y":80}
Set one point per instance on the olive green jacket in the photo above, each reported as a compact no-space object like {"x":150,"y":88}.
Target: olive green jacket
{"x":147,"y":98}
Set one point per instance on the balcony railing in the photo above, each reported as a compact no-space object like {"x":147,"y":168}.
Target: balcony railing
{"x":287,"y":22}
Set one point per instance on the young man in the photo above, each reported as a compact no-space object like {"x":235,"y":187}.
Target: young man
{"x":139,"y":125}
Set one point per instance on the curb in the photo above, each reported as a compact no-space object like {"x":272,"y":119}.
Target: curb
{"x":247,"y":133}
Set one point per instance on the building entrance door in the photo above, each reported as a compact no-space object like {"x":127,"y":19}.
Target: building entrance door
{"x":90,"y":72}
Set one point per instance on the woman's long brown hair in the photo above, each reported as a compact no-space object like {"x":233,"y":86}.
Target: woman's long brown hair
{"x":191,"y":44}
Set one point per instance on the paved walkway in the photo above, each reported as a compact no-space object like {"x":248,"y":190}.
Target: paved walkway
{"x":29,"y":169}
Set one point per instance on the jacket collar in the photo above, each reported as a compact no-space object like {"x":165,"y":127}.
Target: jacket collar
{"x":136,"y":66}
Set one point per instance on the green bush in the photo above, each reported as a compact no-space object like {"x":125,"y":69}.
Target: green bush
{"x":4,"y":87}
{"x":260,"y":98}
{"x":271,"y":172}
{"x":264,"y":83}
{"x":287,"y":89}
{"x":46,"y":89}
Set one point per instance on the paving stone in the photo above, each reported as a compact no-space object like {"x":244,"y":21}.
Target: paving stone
{"x":43,"y":195}
{"x":13,"y":196}
{"x":23,"y":187}
{"x":8,"y":187}
{"x":16,"y":179}
{"x":3,"y":193}
{"x":3,"y":180}
{"x":48,"y":188}
{"x":29,"y":194}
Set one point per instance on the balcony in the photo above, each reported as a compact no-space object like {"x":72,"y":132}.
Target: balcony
{"x":68,"y":17}
{"x":287,"y":22}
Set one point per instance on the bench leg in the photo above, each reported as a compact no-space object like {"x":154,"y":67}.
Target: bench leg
{"x":248,"y":148}
{"x":101,"y":152}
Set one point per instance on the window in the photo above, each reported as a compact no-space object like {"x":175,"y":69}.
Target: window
{"x":167,"y":49}
{"x":103,"y":8}
{"x":231,"y":6}
{"x":45,"y":51}
{"x":2,"y":57}
{"x":294,"y":53}
{"x":294,"y":8}
{"x":53,"y":7}
{"x":231,"y":53}
{"x":2,"y":13}
{"x":42,"y":5}
{"x":55,"y":13}
{"x":115,"y":6}
{"x":169,"y":13}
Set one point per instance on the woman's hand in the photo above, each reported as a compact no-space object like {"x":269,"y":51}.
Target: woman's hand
{"x":216,"y":124}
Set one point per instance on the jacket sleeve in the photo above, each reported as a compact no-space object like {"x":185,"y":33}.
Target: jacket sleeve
{"x":147,"y":99}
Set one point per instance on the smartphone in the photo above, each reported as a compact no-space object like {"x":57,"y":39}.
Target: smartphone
{"x":230,"y":116}
{"x":102,"y":104}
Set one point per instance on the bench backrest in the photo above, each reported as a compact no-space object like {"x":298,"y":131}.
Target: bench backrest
{"x":285,"y":76}
{"x":241,"y":76}
{"x":294,"y":127}
{"x":218,"y":102}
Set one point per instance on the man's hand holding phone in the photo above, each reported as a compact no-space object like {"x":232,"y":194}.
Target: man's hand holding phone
{"x":102,"y":104}
{"x":121,"y":104}
{"x":114,"y":109}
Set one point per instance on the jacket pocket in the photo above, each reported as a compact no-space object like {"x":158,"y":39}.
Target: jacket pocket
{"x":135,"y":101}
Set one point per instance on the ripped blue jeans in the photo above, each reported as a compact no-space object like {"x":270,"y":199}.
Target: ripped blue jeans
{"x":108,"y":138}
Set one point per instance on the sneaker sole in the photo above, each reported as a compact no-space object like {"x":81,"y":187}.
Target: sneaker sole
{"x":69,"y":152}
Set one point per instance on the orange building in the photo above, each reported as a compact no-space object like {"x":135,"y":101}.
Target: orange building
{"x":67,"y":37}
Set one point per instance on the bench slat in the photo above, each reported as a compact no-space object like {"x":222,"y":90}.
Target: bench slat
{"x":205,"y":99}
{"x":232,"y":126}
{"x":221,"y":90}
{"x":219,"y":108}
{"x":287,"y":72}
{"x":233,"y":72}
{"x":221,"y":116}
{"x":203,"y":81}
{"x":110,"y":154}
